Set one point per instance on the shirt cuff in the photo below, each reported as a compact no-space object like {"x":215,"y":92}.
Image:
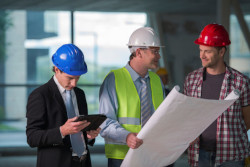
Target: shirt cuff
{"x":124,"y":136}
{"x":61,"y":133}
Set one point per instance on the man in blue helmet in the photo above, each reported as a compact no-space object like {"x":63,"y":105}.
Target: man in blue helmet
{"x":52,"y":110}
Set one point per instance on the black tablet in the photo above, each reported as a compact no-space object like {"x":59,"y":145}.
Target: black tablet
{"x":95,"y":121}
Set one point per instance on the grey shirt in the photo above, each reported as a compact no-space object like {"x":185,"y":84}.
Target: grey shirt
{"x":211,"y":88}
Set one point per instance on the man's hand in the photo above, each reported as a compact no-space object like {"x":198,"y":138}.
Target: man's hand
{"x":93,"y":133}
{"x":132,"y":141}
{"x":71,"y":127}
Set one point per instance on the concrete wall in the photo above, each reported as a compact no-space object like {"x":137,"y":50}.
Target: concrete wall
{"x":182,"y":55}
{"x":15,"y":67}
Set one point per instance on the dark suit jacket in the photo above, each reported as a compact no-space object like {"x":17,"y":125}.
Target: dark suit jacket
{"x":46,"y":112}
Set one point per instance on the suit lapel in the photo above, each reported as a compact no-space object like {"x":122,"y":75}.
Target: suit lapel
{"x":57,"y":96}
{"x":59,"y":100}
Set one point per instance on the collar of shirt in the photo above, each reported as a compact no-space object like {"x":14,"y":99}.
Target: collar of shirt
{"x":134,"y":75}
{"x":61,"y":89}
{"x":62,"y":92}
{"x":203,"y":70}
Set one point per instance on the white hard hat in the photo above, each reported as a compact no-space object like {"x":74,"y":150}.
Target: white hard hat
{"x":143,"y":38}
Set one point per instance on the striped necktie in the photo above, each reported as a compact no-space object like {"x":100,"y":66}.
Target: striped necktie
{"x":145,"y":105}
{"x":77,"y":138}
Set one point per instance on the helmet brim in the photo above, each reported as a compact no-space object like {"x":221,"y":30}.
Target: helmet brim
{"x":212,"y":45}
{"x":74,"y":73}
{"x":144,"y":46}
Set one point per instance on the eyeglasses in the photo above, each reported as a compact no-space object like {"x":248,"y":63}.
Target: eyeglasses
{"x":153,"y":51}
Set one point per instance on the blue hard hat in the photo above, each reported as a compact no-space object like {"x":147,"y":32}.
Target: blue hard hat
{"x":70,"y":59}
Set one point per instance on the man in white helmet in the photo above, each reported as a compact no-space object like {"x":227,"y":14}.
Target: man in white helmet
{"x":130,"y":95}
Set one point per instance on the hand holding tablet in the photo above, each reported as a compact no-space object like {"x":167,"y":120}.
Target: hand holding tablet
{"x":95,"y":121}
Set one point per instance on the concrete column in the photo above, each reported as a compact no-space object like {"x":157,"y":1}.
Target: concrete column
{"x":15,"y":67}
{"x":223,"y":17}
{"x":155,"y":21}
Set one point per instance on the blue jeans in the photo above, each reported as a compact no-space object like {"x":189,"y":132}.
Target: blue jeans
{"x":114,"y":162}
{"x":207,"y":159}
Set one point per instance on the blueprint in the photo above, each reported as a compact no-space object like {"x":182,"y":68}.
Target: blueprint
{"x":177,"y":122}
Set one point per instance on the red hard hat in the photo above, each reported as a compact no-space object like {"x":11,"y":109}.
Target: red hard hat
{"x":213,"y":35}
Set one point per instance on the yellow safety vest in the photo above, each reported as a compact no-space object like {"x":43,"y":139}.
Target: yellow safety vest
{"x":129,"y":114}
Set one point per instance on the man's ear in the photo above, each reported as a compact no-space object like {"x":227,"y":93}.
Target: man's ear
{"x":57,"y":70}
{"x":138,"y":52}
{"x":222,"y":51}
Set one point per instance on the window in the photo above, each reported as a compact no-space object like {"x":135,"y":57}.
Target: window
{"x":32,"y":38}
{"x":239,"y":51}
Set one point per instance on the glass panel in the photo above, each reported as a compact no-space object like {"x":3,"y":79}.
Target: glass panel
{"x":27,"y":44}
{"x":239,"y":51}
{"x":92,"y":95}
{"x":30,"y":40}
{"x":103,"y":38}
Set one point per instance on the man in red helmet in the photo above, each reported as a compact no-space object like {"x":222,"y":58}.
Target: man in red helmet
{"x":225,"y":141}
{"x":51,"y":113}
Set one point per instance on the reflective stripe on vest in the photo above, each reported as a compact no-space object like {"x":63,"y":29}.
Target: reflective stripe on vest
{"x":129,"y":100}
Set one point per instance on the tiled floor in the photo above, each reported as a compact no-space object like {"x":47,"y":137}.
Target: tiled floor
{"x":98,"y":160}
{"x":14,"y":152}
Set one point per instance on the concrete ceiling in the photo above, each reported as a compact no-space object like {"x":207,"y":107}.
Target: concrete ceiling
{"x":160,"y":6}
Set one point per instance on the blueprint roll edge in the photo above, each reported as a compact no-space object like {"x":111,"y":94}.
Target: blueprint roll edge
{"x":235,"y":94}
